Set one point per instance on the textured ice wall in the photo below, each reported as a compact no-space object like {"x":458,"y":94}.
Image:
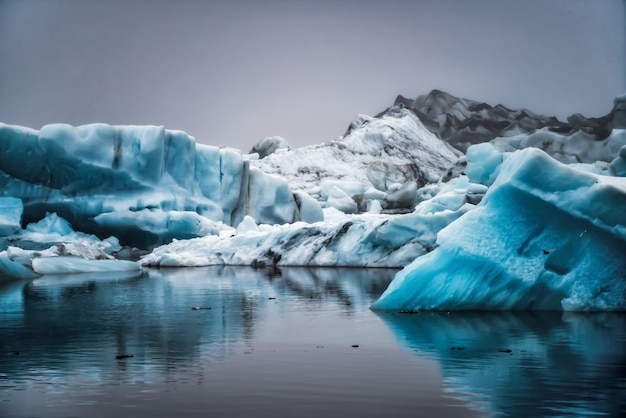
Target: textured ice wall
{"x":144,"y":184}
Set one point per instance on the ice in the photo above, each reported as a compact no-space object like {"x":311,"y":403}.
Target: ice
{"x":349,"y":188}
{"x":144,"y":184}
{"x":483,"y":161}
{"x":365,"y":240}
{"x":577,"y":147}
{"x":65,"y":265}
{"x":270,"y":145}
{"x":404,"y":197}
{"x":339,"y":199}
{"x":11,"y":210}
{"x":618,"y":165}
{"x":546,"y":236}
{"x":14,"y":270}
{"x":270,"y":199}
{"x":394,"y":148}
{"x":57,"y":239}
{"x":389,"y":193}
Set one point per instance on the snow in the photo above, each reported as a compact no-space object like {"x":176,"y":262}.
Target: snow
{"x":546,"y":236}
{"x":364,"y":240}
{"x":396,"y":140}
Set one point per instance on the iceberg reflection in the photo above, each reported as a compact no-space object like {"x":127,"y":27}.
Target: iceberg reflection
{"x":167,"y":321}
{"x":534,"y":364}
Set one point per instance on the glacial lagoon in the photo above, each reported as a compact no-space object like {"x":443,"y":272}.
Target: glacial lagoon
{"x":294,"y":342}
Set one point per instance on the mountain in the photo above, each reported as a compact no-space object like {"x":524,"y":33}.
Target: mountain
{"x":463,"y":122}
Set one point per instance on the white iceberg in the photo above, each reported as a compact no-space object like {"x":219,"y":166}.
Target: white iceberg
{"x":72,"y":264}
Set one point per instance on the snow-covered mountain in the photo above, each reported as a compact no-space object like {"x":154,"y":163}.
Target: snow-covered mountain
{"x":392,"y":148}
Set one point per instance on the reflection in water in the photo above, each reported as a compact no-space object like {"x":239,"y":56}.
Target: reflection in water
{"x":541,"y":363}
{"x":83,"y":322}
{"x":287,"y":342}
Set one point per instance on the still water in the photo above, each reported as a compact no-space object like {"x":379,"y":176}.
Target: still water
{"x":291,"y":343}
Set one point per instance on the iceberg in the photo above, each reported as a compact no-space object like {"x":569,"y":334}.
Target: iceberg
{"x":484,"y":207}
{"x":142,"y":184}
{"x":68,"y":264}
{"x":29,"y":251}
{"x":546,"y":236}
{"x":394,"y":147}
{"x":363,"y":240}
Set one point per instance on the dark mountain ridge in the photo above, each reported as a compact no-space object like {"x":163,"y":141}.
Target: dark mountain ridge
{"x":463,"y":122}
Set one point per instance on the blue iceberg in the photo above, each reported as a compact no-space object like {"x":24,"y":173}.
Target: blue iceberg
{"x":546,"y":236}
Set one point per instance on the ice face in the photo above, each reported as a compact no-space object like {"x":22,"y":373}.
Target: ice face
{"x":10,"y":215}
{"x":546,"y":236}
{"x":144,"y":184}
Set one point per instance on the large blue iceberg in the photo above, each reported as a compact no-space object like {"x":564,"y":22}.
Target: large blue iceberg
{"x":546,"y":236}
{"x":144,"y":184}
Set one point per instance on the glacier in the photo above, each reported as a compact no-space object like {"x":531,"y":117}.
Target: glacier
{"x":482,"y":207}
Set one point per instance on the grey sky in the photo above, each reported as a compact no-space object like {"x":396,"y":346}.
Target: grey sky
{"x":233,"y":72}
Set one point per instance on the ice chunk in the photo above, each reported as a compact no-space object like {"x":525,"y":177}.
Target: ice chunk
{"x":270,"y":199}
{"x":52,"y":224}
{"x":340,"y":200}
{"x":11,"y":210}
{"x":270,"y":145}
{"x":13,"y":269}
{"x":403,"y":198}
{"x":310,"y":210}
{"x":482,"y":163}
{"x":65,"y":265}
{"x":545,"y":237}
{"x":349,"y":188}
{"x":247,"y":225}
{"x":618,"y":165}
{"x":577,"y":147}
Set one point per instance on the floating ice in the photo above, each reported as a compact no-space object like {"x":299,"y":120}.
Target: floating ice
{"x":366,"y":240}
{"x":69,"y":264}
{"x":546,"y":237}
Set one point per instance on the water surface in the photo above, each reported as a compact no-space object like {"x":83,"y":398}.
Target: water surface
{"x":295,"y":342}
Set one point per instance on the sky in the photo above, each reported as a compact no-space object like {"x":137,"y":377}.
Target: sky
{"x":233,"y":72}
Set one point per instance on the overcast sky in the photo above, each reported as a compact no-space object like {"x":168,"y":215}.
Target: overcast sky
{"x":233,"y":72}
